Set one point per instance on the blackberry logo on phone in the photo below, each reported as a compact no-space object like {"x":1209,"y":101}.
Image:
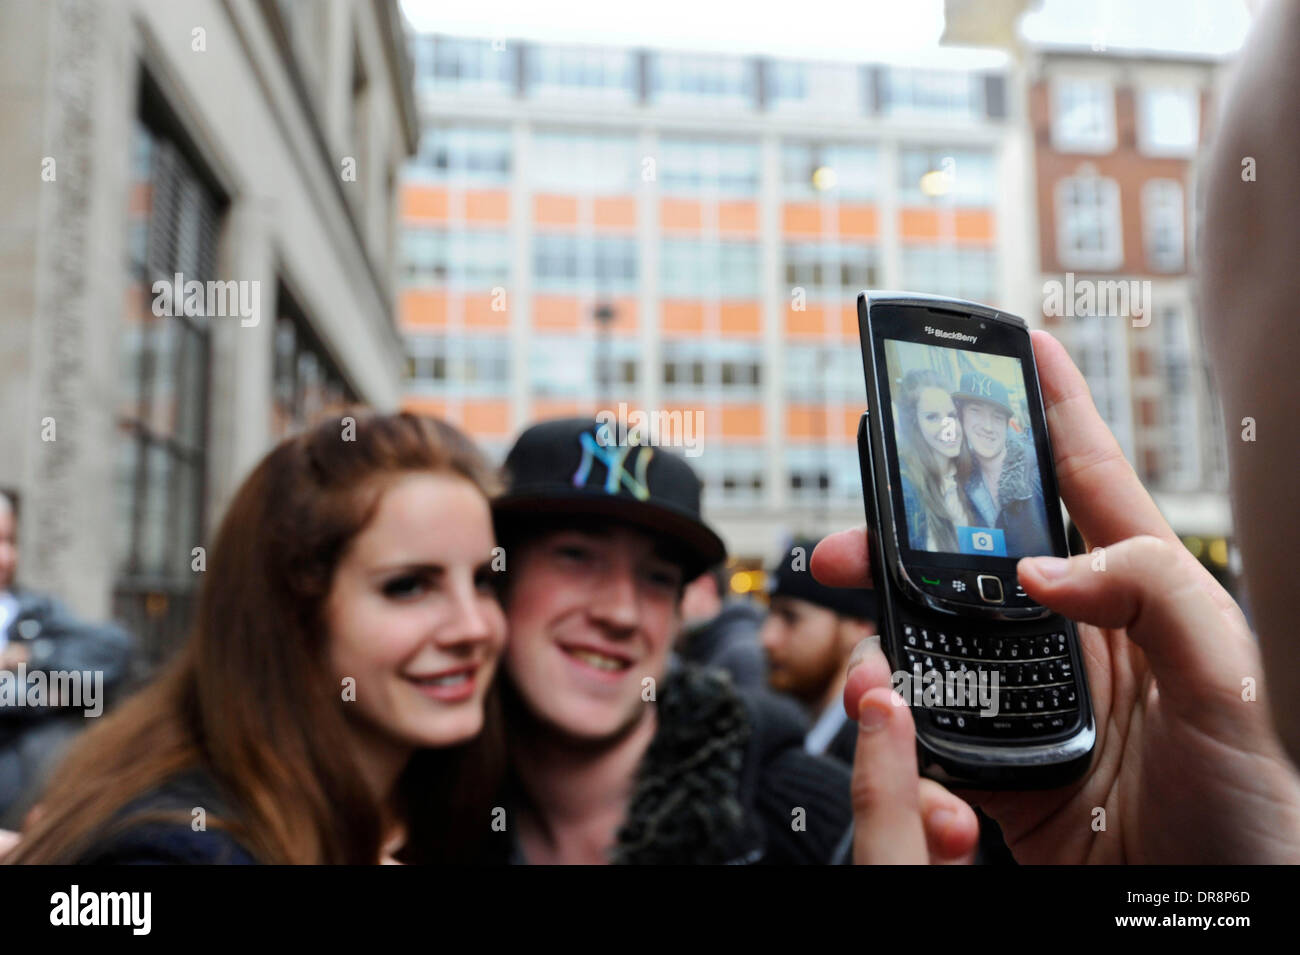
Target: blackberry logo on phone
{"x":959,"y":485}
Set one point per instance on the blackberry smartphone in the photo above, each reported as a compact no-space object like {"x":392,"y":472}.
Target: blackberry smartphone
{"x":959,"y":483}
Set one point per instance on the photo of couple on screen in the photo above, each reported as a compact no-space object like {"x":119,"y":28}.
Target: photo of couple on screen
{"x":967,"y":463}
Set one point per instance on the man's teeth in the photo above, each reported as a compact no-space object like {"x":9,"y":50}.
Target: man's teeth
{"x":599,"y":660}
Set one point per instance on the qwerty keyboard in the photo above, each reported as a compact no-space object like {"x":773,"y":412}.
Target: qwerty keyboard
{"x":1036,"y":695}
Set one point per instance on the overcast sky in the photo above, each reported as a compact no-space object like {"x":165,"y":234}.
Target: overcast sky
{"x":850,"y":30}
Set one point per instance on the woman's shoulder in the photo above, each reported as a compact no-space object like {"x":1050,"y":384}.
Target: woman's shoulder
{"x":177,"y":823}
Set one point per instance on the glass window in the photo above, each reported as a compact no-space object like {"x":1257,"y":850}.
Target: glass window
{"x":307,"y":385}
{"x":570,"y":366}
{"x":1168,"y":121}
{"x":472,"y":259}
{"x":824,"y":374}
{"x":962,"y":177}
{"x":939,"y":94}
{"x":563,"y":262}
{"x":464,"y":156}
{"x":732,"y":474}
{"x":1181,"y":433}
{"x":588,"y":72}
{"x":709,"y":168}
{"x":1162,"y":217}
{"x":831,"y":269}
{"x":584,"y":163}
{"x":822,"y":474}
{"x":1083,"y":115}
{"x":162,"y":398}
{"x":1099,"y":346}
{"x":702,"y":79}
{"x":841,"y":170}
{"x":472,"y":366}
{"x":1088,"y":223}
{"x":464,"y":65}
{"x":947,"y":270}
{"x":823,"y":87}
{"x":701,"y":268}
{"x":712,"y":369}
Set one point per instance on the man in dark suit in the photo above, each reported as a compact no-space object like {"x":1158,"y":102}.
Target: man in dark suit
{"x":44,"y":648}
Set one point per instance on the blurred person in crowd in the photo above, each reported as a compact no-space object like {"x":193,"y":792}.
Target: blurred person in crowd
{"x":330,"y":704}
{"x":809,"y":633}
{"x":720,"y":632}
{"x":1003,"y":488}
{"x":933,"y":463}
{"x":44,"y":647}
{"x":612,"y":759}
{"x":1188,"y":766}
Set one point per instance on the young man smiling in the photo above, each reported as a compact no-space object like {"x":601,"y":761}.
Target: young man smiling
{"x":613,"y":759}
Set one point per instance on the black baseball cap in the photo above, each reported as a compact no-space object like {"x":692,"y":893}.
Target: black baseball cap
{"x":575,"y":467}
{"x":793,"y":578}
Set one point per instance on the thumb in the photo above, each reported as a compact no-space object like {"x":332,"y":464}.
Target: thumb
{"x":1146,"y":586}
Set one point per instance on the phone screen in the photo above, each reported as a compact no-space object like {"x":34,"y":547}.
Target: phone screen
{"x":967,"y":462}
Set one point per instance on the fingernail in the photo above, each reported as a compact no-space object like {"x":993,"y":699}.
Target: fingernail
{"x":872,"y":715}
{"x":1050,"y":568}
{"x":865,"y":646}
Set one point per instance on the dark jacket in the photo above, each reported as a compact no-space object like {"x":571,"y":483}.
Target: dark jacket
{"x":33,"y":738}
{"x":725,"y":780}
{"x":1020,"y":513}
{"x":138,"y":836}
{"x":730,"y":642}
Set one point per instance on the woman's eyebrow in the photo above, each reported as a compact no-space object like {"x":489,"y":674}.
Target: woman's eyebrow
{"x":418,"y":567}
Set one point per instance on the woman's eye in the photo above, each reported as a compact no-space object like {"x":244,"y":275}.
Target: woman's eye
{"x":408,"y":585}
{"x":487,"y":582}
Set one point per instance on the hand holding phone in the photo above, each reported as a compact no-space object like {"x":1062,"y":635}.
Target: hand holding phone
{"x":1185,"y":769}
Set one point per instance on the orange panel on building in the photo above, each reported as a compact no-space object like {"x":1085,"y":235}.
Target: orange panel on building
{"x":682,"y":318}
{"x":546,"y":408}
{"x":614,"y":213}
{"x":918,"y":224}
{"x":556,"y":312}
{"x":859,"y":222}
{"x":849,"y":319}
{"x":801,"y":218}
{"x":975,"y":226}
{"x":555,"y":210}
{"x":738,"y":217}
{"x":423,"y":309}
{"x":680,"y":215}
{"x":424,"y":202}
{"x":806,"y":323}
{"x":487,"y":205}
{"x":477,"y":309}
{"x":742,"y":421}
{"x":419,"y":404}
{"x":741,"y":319}
{"x":486,"y":417}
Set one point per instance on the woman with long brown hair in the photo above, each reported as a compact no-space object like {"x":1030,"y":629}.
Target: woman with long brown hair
{"x":329,"y":706}
{"x":933,"y":463}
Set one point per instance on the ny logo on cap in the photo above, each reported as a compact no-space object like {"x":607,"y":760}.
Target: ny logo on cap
{"x":615,"y":472}
{"x":982,"y":385}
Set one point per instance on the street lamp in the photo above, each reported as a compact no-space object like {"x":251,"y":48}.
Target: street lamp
{"x":604,"y":314}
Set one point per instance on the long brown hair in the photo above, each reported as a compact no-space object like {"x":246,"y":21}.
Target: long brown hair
{"x":249,"y":698}
{"x":920,"y":463}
